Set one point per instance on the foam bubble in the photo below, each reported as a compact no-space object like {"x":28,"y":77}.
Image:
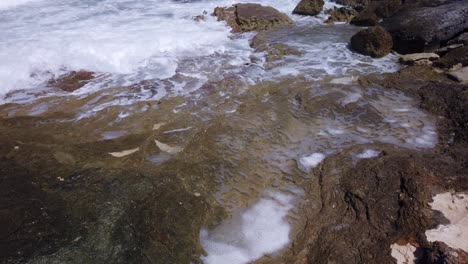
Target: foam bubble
{"x":260,"y":230}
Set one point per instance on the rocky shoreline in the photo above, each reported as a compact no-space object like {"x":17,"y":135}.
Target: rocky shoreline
{"x":112,"y":189}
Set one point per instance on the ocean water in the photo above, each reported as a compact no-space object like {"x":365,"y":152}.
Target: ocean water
{"x":128,"y":41}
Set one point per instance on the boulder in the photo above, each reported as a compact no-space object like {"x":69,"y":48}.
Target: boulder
{"x":374,"y":42}
{"x":309,"y":7}
{"x":453,"y":57}
{"x":251,"y":17}
{"x":460,"y":75}
{"x":426,"y":28}
{"x":366,"y":18}
{"x":341,"y":14}
{"x":71,"y":81}
{"x":418,"y":58}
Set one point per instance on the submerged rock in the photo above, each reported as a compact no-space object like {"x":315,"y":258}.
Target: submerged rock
{"x":426,"y":28}
{"x":251,"y":17}
{"x":72,"y":81}
{"x":309,"y":7}
{"x":374,"y":42}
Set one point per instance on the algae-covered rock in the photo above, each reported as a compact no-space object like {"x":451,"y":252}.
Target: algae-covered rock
{"x":251,"y":17}
{"x":309,"y":7}
{"x":374,"y":42}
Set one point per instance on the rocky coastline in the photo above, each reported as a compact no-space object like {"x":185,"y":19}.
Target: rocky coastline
{"x":142,"y":193}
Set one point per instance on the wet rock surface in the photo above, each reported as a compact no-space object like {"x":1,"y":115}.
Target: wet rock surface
{"x":374,"y":42}
{"x":251,"y":17}
{"x":72,"y":81}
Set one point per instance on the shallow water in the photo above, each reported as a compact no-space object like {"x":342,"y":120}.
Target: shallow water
{"x":198,"y":91}
{"x":126,"y":42}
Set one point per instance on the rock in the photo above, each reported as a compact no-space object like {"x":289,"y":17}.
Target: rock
{"x":439,"y":252}
{"x":460,"y":75}
{"x":365,"y":19}
{"x":251,"y":17}
{"x":442,"y":51}
{"x":422,"y":29}
{"x":309,"y":7}
{"x":199,"y":18}
{"x":418,"y":58}
{"x":72,"y":81}
{"x":359,"y":5}
{"x":341,"y":14}
{"x":453,"y":57}
{"x":374,"y":42}
{"x":462,"y":39}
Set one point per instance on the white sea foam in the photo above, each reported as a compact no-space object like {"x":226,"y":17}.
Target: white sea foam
{"x":8,"y":4}
{"x":260,"y":230}
{"x":307,"y":163}
{"x":131,"y":41}
{"x":368,"y":153}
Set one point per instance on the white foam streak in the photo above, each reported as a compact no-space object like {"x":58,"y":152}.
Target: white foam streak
{"x":260,"y":230}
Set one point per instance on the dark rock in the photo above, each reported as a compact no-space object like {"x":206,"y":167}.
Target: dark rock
{"x":251,"y":17}
{"x":462,"y":39}
{"x":32,"y":221}
{"x":365,"y":19}
{"x":359,"y":5}
{"x":442,"y":51}
{"x":72,"y":81}
{"x":439,"y":252}
{"x":453,"y":57}
{"x":359,"y":211}
{"x":341,"y":14}
{"x":309,"y":7}
{"x":374,"y":42}
{"x":423,"y":29}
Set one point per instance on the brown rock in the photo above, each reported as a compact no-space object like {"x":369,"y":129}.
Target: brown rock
{"x":309,"y":7}
{"x":72,"y":81}
{"x":453,"y":57}
{"x":365,"y":19}
{"x":462,"y":39}
{"x":251,"y":17}
{"x":341,"y":14}
{"x":374,"y":42}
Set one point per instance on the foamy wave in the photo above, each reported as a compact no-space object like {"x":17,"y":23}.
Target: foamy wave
{"x":8,"y":4}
